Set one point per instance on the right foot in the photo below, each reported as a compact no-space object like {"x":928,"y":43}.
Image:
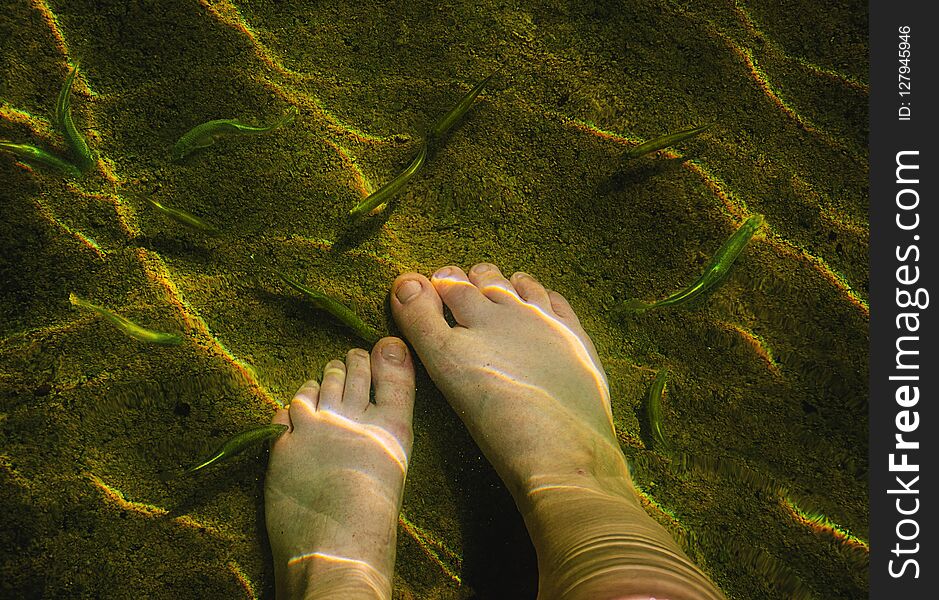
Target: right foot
{"x":519,"y":370}
{"x":526,"y":380}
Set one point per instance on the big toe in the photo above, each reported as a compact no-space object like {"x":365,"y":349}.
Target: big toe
{"x":418,"y":311}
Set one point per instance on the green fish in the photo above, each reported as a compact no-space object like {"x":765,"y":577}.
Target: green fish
{"x":34,"y":155}
{"x":654,"y":409}
{"x":126,"y":326}
{"x":237,"y":444}
{"x":449,"y":119}
{"x":63,"y":118}
{"x":665,"y":141}
{"x":185,"y":218}
{"x":388,"y":191}
{"x":343,"y":313}
{"x":715,"y":271}
{"x":206,"y":134}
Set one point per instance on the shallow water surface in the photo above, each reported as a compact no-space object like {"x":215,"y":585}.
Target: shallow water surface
{"x":766,"y":405}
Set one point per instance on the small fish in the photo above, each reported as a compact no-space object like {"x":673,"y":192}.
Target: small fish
{"x":335,"y":308}
{"x":715,"y":271}
{"x":654,"y":409}
{"x":449,"y":119}
{"x":388,"y":191}
{"x":664,"y":141}
{"x":238,"y":443}
{"x":185,"y":218}
{"x":63,"y":118}
{"x":126,"y":326}
{"x":203,"y":136}
{"x":32,"y":154}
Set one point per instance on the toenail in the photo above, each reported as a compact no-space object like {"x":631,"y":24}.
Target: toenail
{"x":482,"y":268}
{"x":394,"y":352}
{"x":407,"y":290}
{"x":443,"y":272}
{"x":330,"y":370}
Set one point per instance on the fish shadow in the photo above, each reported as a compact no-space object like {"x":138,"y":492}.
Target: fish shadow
{"x":359,"y":230}
{"x":195,"y":490}
{"x":198,"y":251}
{"x":638,"y":170}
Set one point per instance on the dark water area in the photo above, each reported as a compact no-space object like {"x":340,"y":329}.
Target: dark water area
{"x":766,"y":405}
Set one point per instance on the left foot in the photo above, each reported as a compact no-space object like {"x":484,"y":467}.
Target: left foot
{"x":335,"y":479}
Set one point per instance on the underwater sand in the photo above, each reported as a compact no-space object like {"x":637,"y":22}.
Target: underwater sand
{"x":766,"y":406}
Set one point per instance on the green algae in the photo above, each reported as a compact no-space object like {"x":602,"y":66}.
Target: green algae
{"x":530,"y":190}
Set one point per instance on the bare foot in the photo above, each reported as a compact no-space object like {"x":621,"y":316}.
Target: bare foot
{"x":335,"y":480}
{"x":526,"y":380}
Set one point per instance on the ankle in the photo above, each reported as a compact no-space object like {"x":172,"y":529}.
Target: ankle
{"x":600,"y":472}
{"x":319,"y":575}
{"x":594,"y":540}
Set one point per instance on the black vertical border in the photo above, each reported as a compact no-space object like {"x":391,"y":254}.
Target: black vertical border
{"x":888,"y":136}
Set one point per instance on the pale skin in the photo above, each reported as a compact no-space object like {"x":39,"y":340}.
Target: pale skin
{"x":526,"y":380}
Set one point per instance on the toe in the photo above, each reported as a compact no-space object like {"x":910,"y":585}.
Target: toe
{"x":418,"y":311}
{"x":461,"y":296}
{"x":334,"y":381}
{"x":492,"y":284}
{"x":282,"y":417}
{"x":358,"y":382}
{"x":562,"y":308}
{"x":531,"y":291}
{"x":302,"y":406}
{"x":393,"y":379}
